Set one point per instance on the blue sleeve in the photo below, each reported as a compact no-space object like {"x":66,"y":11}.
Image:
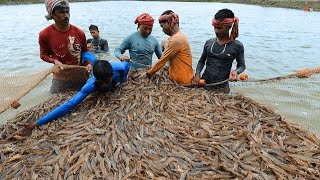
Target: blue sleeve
{"x":126,"y":66}
{"x":88,"y":56}
{"x":125,"y":44}
{"x":120,"y":71}
{"x":69,"y":105}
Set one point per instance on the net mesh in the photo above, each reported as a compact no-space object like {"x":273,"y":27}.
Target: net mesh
{"x":154,"y":129}
{"x":294,"y":98}
{"x":15,"y":86}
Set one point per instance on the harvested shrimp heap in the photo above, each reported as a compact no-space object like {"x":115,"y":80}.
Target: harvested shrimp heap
{"x":154,"y":129}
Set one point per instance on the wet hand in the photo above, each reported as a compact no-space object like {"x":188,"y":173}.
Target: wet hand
{"x":196,"y":79}
{"x":58,"y":63}
{"x":89,"y":68}
{"x":90,"y":47}
{"x":233,"y":76}
{"x":125,"y":58}
{"x":148,"y":75}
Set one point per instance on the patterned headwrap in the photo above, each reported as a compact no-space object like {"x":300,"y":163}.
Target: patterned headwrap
{"x":51,"y":4}
{"x":228,"y":22}
{"x":172,"y":19}
{"x":144,"y":19}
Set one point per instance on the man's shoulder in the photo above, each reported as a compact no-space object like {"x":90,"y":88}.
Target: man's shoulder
{"x":47,"y":29}
{"x":238,"y":43}
{"x":104,"y":40}
{"x":211,"y":40}
{"x":178,"y":39}
{"x":75,"y":28}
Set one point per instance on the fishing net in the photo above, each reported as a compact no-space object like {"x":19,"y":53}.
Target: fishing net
{"x":294,"y":96}
{"x":155,"y":129}
{"x":16,"y":86}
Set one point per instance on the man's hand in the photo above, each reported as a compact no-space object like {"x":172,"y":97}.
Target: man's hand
{"x":89,"y":68}
{"x":196,"y":79}
{"x":148,"y":75}
{"x":125,"y":58}
{"x":58,"y":63}
{"x":90,"y":47}
{"x":233,"y":76}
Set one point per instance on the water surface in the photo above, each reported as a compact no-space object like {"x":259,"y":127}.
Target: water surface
{"x":277,"y":42}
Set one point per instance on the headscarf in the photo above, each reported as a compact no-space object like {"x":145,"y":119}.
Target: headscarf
{"x":172,"y":19}
{"x":144,"y":19}
{"x":228,"y":22}
{"x":51,"y":4}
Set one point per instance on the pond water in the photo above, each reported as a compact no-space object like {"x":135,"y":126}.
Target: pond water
{"x":277,"y":42}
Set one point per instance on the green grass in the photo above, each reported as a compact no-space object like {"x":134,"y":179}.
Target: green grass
{"x":294,"y":4}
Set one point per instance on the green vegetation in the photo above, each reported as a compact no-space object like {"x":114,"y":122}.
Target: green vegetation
{"x":15,"y":2}
{"x":295,"y":4}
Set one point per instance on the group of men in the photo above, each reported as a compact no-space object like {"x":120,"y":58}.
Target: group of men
{"x":63,"y":43}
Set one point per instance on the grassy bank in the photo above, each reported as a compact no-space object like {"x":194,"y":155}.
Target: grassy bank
{"x":294,"y":4}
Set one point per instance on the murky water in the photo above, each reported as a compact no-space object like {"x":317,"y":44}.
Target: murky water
{"x":277,"y":42}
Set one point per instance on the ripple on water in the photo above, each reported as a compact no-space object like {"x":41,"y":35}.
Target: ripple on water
{"x":276,"y":46}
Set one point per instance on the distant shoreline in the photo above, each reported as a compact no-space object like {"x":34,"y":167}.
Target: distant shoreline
{"x":291,"y":4}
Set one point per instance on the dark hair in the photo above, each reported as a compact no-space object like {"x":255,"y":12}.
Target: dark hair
{"x":102,"y":70}
{"x":93,"y":27}
{"x":223,"y":13}
{"x":167,"y":12}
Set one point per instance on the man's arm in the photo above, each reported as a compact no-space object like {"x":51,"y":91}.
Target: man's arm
{"x":125,"y":44}
{"x":241,"y":66}
{"x":69,"y":105}
{"x":203,"y":59}
{"x":200,"y":65}
{"x":120,"y":71}
{"x":84,"y":47}
{"x":105,"y":46}
{"x":45,"y":51}
{"x":88,"y":58}
{"x":158,"y":50}
{"x":171,"y":51}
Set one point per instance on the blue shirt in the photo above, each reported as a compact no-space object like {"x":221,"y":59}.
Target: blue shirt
{"x":120,"y":70}
{"x":140,"y":48}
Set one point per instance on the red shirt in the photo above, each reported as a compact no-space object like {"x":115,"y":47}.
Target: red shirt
{"x":63,"y":46}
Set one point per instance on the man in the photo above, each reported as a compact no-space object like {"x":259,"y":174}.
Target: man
{"x":97,"y":44}
{"x":177,"y":53}
{"x":219,"y":53}
{"x":105,"y":78}
{"x":62,"y":43}
{"x":141,"y":44}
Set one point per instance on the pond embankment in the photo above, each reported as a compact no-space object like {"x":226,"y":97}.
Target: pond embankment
{"x":314,"y":5}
